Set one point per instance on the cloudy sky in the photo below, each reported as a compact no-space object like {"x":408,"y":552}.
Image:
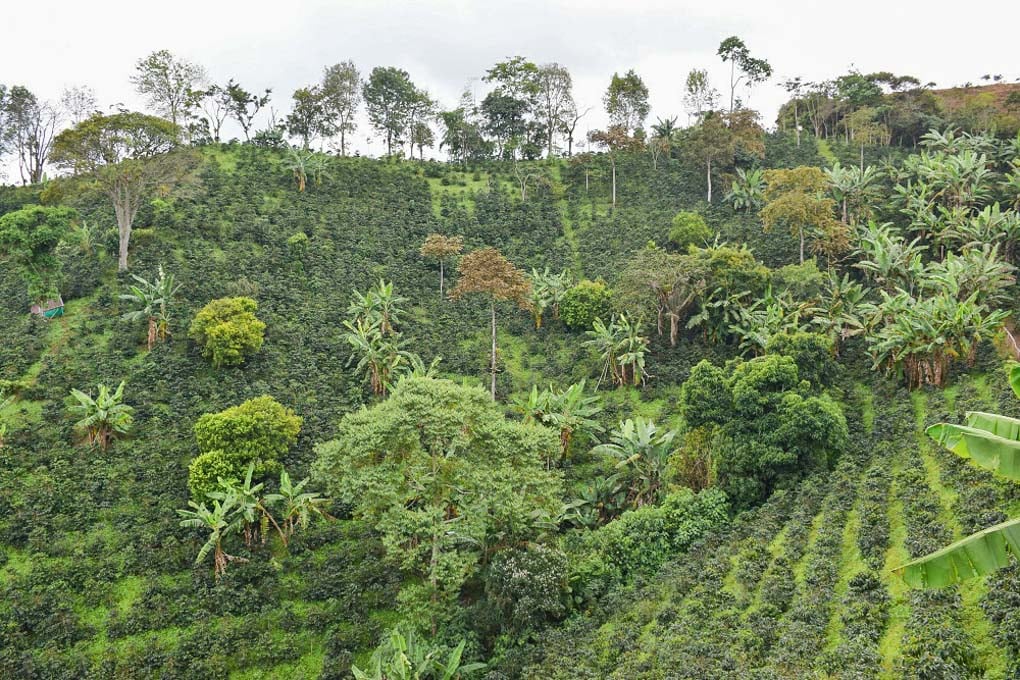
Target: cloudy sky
{"x":447,"y":44}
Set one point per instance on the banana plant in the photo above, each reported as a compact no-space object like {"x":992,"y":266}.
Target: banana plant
{"x":220,"y":521}
{"x":104,"y":418}
{"x":152,"y":300}
{"x":641,"y":450}
{"x":991,"y":442}
{"x":403,"y":655}
{"x":570,"y":411}
{"x":747,"y":192}
{"x":299,"y":506}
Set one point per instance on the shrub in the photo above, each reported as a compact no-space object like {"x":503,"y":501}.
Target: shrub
{"x":585,"y":302}
{"x":259,"y":431}
{"x":206,"y":469}
{"x":641,"y":540}
{"x":689,"y":229}
{"x":297,"y":245}
{"x":810,"y":351}
{"x":228,"y":330}
{"x":529,"y":586}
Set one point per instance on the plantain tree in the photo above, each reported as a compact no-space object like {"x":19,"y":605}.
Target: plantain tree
{"x":991,"y":442}
{"x":104,"y":418}
{"x":152,"y":300}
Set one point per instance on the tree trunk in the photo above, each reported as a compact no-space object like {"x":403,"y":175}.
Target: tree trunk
{"x":802,"y":246}
{"x":440,"y":279}
{"x":708,"y":175}
{"x":614,"y":182}
{"x":493,"y":366}
{"x":796,"y":122}
{"x":124,"y":227}
{"x":343,"y":142}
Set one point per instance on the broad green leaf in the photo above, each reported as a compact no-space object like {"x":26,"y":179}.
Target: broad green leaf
{"x":1002,"y":426}
{"x":989,"y":451}
{"x":977,"y":555}
{"x":1014,"y":379}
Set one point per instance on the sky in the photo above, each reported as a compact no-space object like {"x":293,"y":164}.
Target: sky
{"x":446,"y":45}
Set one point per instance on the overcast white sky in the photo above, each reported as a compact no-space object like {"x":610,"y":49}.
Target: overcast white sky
{"x":444,"y":44}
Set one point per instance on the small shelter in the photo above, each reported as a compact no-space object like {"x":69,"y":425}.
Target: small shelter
{"x":49,"y":309}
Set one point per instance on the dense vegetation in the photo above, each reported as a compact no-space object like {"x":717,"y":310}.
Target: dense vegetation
{"x":309,"y":415}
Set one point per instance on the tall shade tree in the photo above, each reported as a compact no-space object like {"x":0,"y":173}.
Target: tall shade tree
{"x":487,"y":272}
{"x":29,"y":127}
{"x":341,"y":97}
{"x":127,"y":155}
{"x":389,"y":95}
{"x":307,"y":119}
{"x":991,"y":442}
{"x":79,"y":102}
{"x":510,"y":107}
{"x":743,"y":67}
{"x":626,"y":101}
{"x":420,"y":110}
{"x":718,"y":138}
{"x":446,"y":480}
{"x":699,"y":95}
{"x":614,"y":139}
{"x":439,"y":247}
{"x":243,"y":106}
{"x":795,"y":199}
{"x":555,"y":100}
{"x":169,"y":84}
{"x":29,"y":238}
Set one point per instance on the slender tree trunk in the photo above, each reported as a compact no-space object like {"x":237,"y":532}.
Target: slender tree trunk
{"x":796,"y":122}
{"x":614,"y":182}
{"x":440,"y":279}
{"x":493,"y":366}
{"x":343,"y":141}
{"x":708,"y":175}
{"x":802,"y":246}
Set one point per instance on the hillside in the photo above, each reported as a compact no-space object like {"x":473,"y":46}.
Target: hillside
{"x":98,"y":578}
{"x":802,"y":587}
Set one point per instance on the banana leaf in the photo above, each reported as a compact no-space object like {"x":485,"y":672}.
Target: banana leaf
{"x":991,"y":452}
{"x":1002,"y":426}
{"x":977,"y":555}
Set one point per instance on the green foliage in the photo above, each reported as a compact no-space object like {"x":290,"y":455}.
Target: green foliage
{"x":104,"y":418}
{"x":228,"y":331}
{"x":529,"y":587}
{"x":769,"y":433}
{"x":585,"y":302}
{"x":153,"y":301}
{"x":445,"y":478}
{"x":642,"y":540}
{"x":404,"y":655}
{"x":706,"y":397}
{"x":641,"y":450}
{"x":570,"y":411}
{"x":29,"y":239}
{"x":992,"y":442}
{"x":810,"y":351}
{"x":689,"y":229}
{"x":259,"y":431}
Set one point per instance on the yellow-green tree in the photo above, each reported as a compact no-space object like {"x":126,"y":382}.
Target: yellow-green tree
{"x":796,"y":199}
